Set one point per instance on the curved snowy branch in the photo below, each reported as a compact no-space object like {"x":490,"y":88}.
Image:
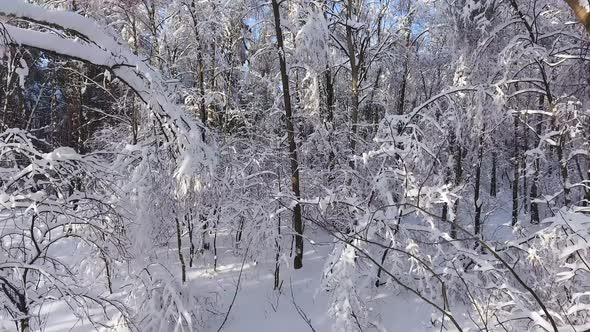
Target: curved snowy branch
{"x":89,"y":43}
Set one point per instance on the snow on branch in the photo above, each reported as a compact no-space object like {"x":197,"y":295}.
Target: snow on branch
{"x":82,"y":38}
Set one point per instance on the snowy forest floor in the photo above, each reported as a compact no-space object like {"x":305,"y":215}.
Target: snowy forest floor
{"x":258,"y":307}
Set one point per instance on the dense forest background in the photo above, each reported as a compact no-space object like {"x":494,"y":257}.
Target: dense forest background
{"x":442,"y":145}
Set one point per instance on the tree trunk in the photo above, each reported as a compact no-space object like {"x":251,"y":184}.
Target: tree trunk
{"x":586,"y":201}
{"x":204,"y":243}
{"x":354,"y":82}
{"x":456,"y":152}
{"x":515,"y":159}
{"x":24,"y":325}
{"x":277,"y":273}
{"x":330,"y":116}
{"x":458,"y":179}
{"x":22,"y":303}
{"x":494,"y":177}
{"x":297,"y":220}
{"x":179,"y":245}
{"x":563,"y":163}
{"x":581,"y":12}
{"x":330,"y":101}
{"x":239,"y":232}
{"x":406,"y":61}
{"x":534,"y":194}
{"x":215,"y":245}
{"x":200,"y":70}
{"x":201,"y":82}
{"x":378,"y":282}
{"x":524,"y":165}
{"x":375,"y":114}
{"x":191,"y":227}
{"x":477,"y":200}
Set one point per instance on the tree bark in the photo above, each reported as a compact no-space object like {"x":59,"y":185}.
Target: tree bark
{"x":458,"y":179}
{"x":456,"y":152}
{"x":524,"y":165}
{"x":494,"y":178}
{"x":192,"y":249}
{"x":297,"y":220}
{"x":179,"y":245}
{"x":516,"y":163}
{"x":406,"y":64}
{"x":354,"y":82}
{"x":277,"y":273}
{"x":563,"y":163}
{"x":534,"y":194}
{"x":330,"y":116}
{"x":477,"y":202}
{"x":201,"y":74}
{"x":581,"y":13}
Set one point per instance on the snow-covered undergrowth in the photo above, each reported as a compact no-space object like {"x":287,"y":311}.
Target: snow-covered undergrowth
{"x":242,"y":289}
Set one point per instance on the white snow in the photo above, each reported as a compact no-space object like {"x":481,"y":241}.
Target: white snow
{"x":22,"y":72}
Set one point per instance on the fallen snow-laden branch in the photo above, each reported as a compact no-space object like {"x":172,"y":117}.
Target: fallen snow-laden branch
{"x":83,"y":39}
